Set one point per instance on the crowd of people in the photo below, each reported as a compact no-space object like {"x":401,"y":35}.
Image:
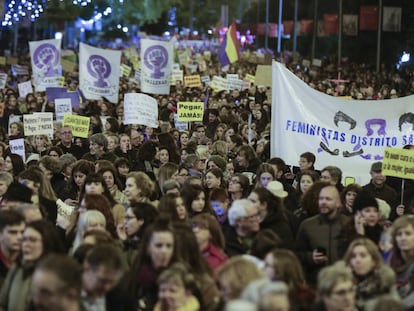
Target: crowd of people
{"x":140,"y":218}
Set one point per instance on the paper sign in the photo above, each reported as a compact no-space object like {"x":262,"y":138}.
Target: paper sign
{"x":17,"y":146}
{"x":317,"y":62}
{"x":3,"y":80}
{"x":176,"y":75}
{"x":190,"y":111}
{"x":219,"y":84}
{"x":78,"y":124}
{"x":398,"y":163}
{"x":233,"y":82}
{"x":205,"y":80}
{"x":19,"y":70}
{"x":25,"y":88}
{"x":140,"y":109}
{"x":306,"y":63}
{"x":192,"y":81}
{"x":38,"y":124}
{"x":2,"y":60}
{"x":125,"y":70}
{"x":62,"y":106}
{"x":250,"y":78}
{"x":180,"y":125}
{"x":263,"y":75}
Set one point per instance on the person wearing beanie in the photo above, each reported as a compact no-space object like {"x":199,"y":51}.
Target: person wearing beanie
{"x":365,"y":223}
{"x":216,"y":161}
{"x":16,"y":193}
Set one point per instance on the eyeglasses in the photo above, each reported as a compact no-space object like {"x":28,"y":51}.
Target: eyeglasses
{"x":65,"y":133}
{"x":344,"y":292}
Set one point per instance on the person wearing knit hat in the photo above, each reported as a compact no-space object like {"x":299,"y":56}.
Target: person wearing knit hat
{"x":16,"y":193}
{"x":364,"y":200}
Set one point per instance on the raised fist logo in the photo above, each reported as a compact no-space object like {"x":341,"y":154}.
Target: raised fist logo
{"x":46,"y":58}
{"x":156,"y":58}
{"x":99,"y":68}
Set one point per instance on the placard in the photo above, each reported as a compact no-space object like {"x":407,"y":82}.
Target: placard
{"x":192,"y":81}
{"x":398,"y":163}
{"x":140,"y":109}
{"x":219,"y":84}
{"x":190,"y":111}
{"x":62,"y":106}
{"x":17,"y":146}
{"x":38,"y":124}
{"x":180,"y":125}
{"x":78,"y":124}
{"x":25,"y":88}
{"x":3,"y":80}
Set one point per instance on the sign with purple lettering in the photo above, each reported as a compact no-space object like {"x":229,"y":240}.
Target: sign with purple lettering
{"x":156,"y":65}
{"x":99,"y":72}
{"x":46,"y":67}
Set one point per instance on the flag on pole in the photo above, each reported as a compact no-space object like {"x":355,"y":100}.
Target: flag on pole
{"x":230,"y":49}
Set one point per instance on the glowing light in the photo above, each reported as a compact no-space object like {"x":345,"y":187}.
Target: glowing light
{"x":58,"y":35}
{"x":125,"y":29}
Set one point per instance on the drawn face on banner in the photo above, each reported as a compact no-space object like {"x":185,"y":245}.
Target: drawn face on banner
{"x":99,"y":68}
{"x":156,"y":58}
{"x":46,"y":58}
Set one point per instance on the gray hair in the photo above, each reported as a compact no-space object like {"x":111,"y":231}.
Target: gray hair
{"x":238,"y":210}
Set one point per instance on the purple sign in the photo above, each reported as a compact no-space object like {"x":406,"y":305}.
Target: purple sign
{"x":156,"y":58}
{"x":99,"y":68}
{"x":46,"y":57}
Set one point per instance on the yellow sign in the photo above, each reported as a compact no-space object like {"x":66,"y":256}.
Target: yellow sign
{"x":190,"y":111}
{"x":2,"y":60}
{"x":79,"y":125}
{"x":192,"y":81}
{"x":398,"y":163}
{"x":67,"y":65}
{"x":263,"y":75}
{"x":125,"y":70}
{"x":250,"y":78}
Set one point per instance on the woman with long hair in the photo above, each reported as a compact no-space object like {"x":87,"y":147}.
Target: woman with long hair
{"x":80,"y":170}
{"x":13,"y":164}
{"x":172,"y":205}
{"x":373,"y":278}
{"x":114,"y":185}
{"x":39,"y":239}
{"x":195,"y":200}
{"x":283,"y":265}
{"x":95,"y":184}
{"x":402,"y":258}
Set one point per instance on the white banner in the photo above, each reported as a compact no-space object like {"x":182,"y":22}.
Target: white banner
{"x":45,"y":59}
{"x":350,"y":134}
{"x":140,"y":109}
{"x":156,"y":64}
{"x":99,"y":72}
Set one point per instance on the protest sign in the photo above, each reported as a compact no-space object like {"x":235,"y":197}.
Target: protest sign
{"x":25,"y":88}
{"x":78,"y":124}
{"x":205,"y":80}
{"x":125,"y":70}
{"x":2,"y":60}
{"x":156,"y":63}
{"x":3,"y":80}
{"x":45,"y":58}
{"x":219,"y":84}
{"x":192,"y":81}
{"x":17,"y":146}
{"x":62,"y":106}
{"x":233,"y":82}
{"x":263,"y":75}
{"x":176,"y":75}
{"x":190,"y":111}
{"x":99,"y":72}
{"x":38,"y":124}
{"x":398,"y":163}
{"x":180,"y":125}
{"x":250,"y":78}
{"x":140,"y":109}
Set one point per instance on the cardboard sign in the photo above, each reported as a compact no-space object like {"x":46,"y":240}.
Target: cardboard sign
{"x":25,"y":88}
{"x":263,"y":75}
{"x":38,"y":124}
{"x":17,"y":146}
{"x":219,"y":84}
{"x":140,"y":109}
{"x":192,"y":81}
{"x":398,"y":163}
{"x":78,"y":124}
{"x":190,"y":111}
{"x":62,"y":106}
{"x":3,"y":80}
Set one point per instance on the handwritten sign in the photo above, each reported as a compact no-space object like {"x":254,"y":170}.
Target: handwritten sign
{"x":3,"y":80}
{"x":250,"y":78}
{"x":2,"y":60}
{"x":180,"y":125}
{"x":125,"y":70}
{"x":192,"y":81}
{"x":219,"y":84}
{"x":17,"y":146}
{"x":176,"y":75}
{"x":38,"y":124}
{"x":78,"y":124}
{"x":140,"y":109}
{"x":25,"y":88}
{"x":398,"y":163}
{"x":190,"y":111}
{"x":62,"y":106}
